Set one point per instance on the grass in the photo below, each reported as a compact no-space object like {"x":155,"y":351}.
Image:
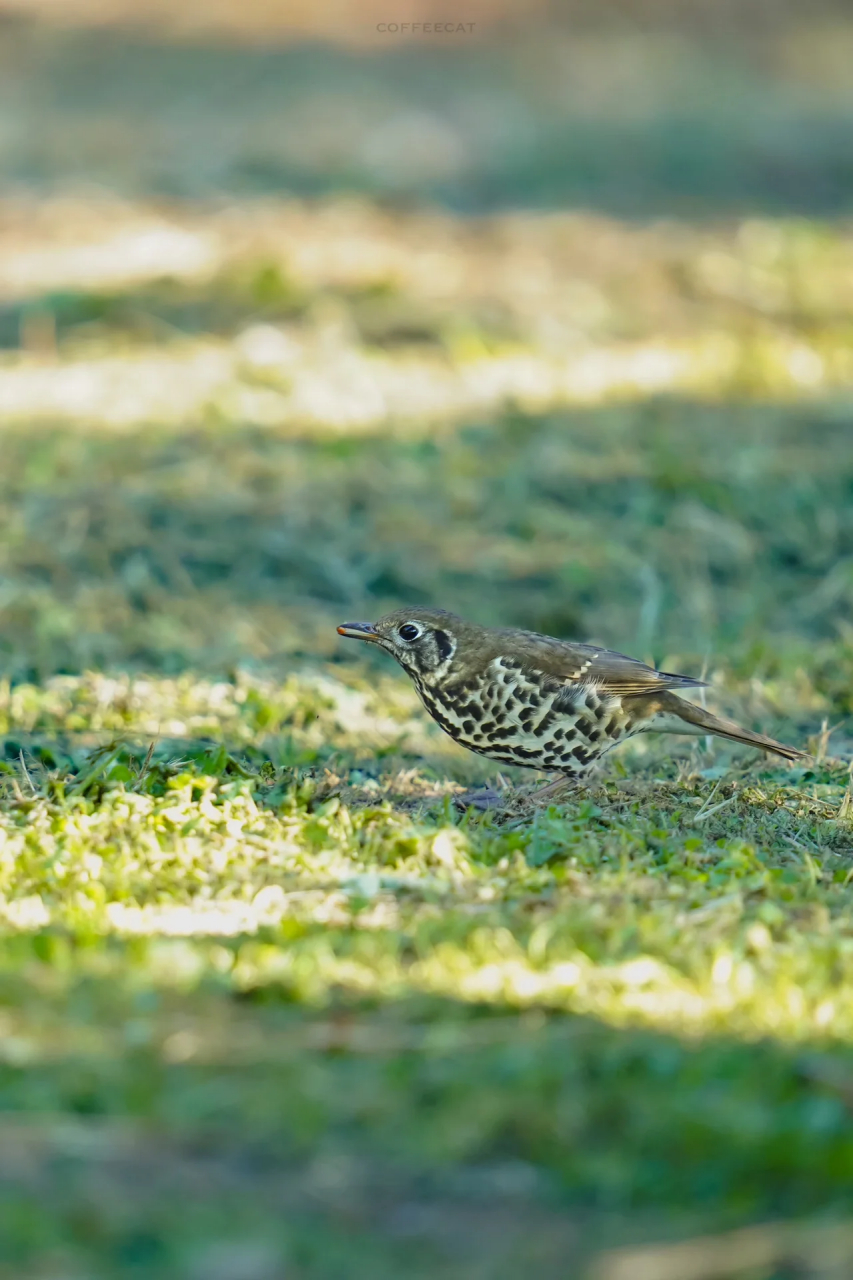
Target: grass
{"x":256,"y":960}
{"x":270,"y":967}
{"x":271,"y":1003}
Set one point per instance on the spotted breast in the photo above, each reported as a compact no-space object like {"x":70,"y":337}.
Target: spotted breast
{"x":528,"y":718}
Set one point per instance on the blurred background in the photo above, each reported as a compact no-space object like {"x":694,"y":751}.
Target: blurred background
{"x":545,"y":317}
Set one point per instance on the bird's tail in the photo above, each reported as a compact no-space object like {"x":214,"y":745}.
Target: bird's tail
{"x":698,"y":721}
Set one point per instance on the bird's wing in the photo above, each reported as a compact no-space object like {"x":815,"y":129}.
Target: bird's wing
{"x":610,"y":672}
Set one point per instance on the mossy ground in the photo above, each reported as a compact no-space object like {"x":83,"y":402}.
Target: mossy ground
{"x":271,"y":1004}
{"x":270,"y":969}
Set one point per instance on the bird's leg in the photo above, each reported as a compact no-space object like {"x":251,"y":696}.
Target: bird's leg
{"x":565,"y":785}
{"x":521,"y":802}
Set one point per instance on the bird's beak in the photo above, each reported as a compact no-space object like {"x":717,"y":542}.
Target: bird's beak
{"x":358,"y":631}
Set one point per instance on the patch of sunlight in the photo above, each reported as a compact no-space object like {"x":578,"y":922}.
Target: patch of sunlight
{"x":144,"y":249}
{"x":643,"y":991}
{"x":199,"y":919}
{"x":26,"y":913}
{"x":228,"y":918}
{"x":338,"y":386}
{"x":187,"y":706}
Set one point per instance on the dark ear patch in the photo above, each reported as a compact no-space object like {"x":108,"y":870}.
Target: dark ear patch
{"x":444,"y":644}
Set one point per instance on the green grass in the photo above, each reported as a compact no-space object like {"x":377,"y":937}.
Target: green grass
{"x":271,"y":973}
{"x":255,"y":960}
{"x":270,"y":967}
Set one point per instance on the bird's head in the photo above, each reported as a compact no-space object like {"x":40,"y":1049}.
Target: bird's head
{"x":425,"y":642}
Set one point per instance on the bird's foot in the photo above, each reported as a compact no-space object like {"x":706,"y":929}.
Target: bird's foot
{"x":518,"y":803}
{"x":486,"y":798}
{"x":563,"y":789}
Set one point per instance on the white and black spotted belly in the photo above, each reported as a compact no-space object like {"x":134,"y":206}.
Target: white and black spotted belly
{"x":515,"y":717}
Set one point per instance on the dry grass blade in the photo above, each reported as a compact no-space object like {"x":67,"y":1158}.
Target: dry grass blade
{"x":146,"y":763}
{"x":715,"y":808}
{"x":25,"y":771}
{"x":824,"y":1250}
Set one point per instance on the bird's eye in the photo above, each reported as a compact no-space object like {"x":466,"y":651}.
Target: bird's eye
{"x":408,"y":631}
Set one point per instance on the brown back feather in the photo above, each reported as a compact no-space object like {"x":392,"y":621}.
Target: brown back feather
{"x":568,"y":661}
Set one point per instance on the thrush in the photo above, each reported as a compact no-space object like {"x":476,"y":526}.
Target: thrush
{"x":527,"y":699}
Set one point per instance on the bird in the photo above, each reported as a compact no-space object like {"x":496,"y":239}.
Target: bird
{"x":522,"y":698}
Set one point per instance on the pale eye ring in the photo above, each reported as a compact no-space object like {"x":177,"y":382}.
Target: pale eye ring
{"x":408,"y":631}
